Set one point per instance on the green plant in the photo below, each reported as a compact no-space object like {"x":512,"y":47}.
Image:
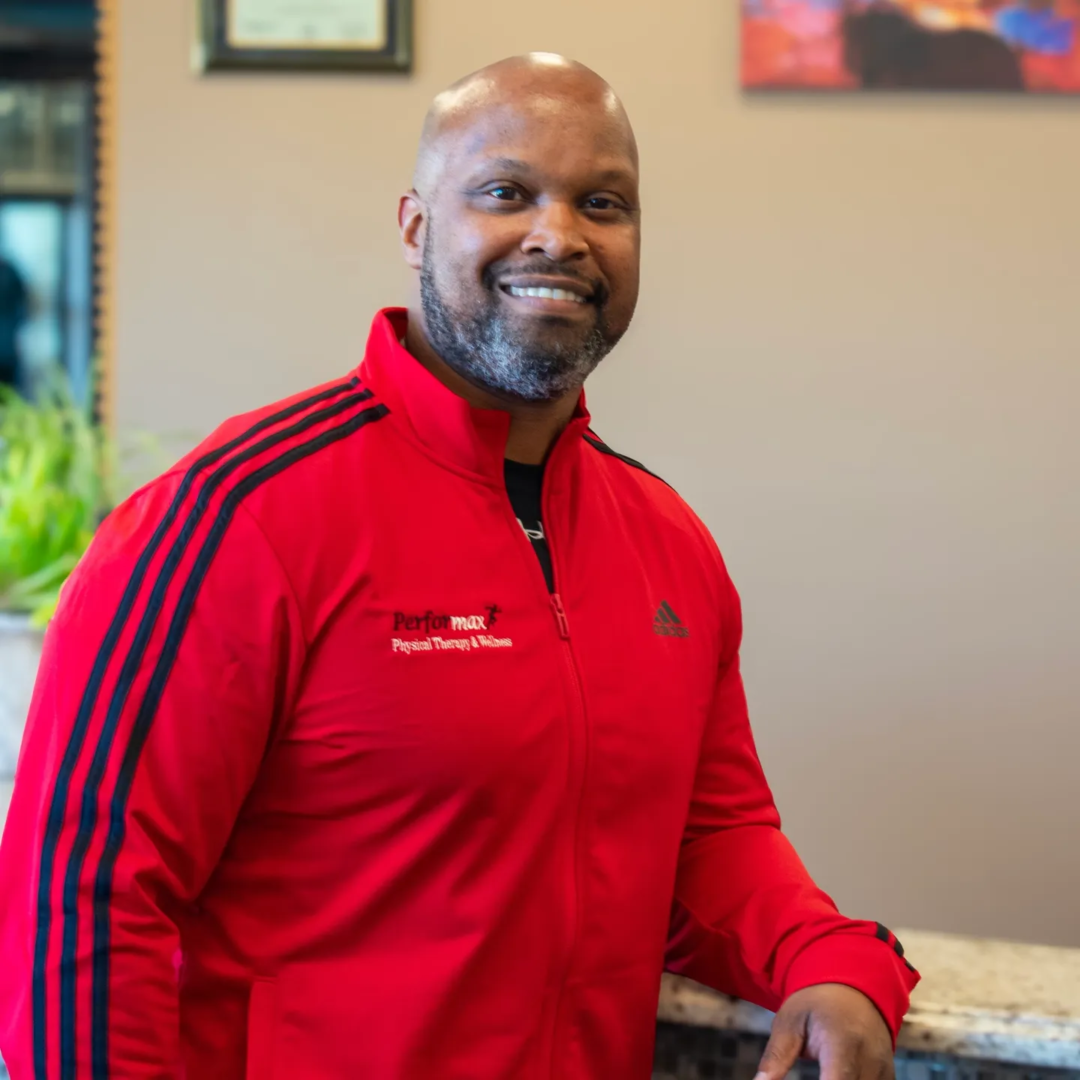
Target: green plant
{"x":56,"y":469}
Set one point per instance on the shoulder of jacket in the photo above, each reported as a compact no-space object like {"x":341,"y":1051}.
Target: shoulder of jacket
{"x":655,"y":496}
{"x":242,"y":455}
{"x":598,"y":444}
{"x":276,"y":420}
{"x":658,"y":499}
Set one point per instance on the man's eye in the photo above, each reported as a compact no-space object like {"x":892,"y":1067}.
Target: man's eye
{"x":505,"y":193}
{"x":600,"y":202}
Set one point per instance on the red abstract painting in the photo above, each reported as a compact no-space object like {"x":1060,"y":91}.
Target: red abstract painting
{"x":1014,"y":45}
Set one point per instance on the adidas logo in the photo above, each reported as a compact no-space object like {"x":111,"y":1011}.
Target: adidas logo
{"x":667,"y":623}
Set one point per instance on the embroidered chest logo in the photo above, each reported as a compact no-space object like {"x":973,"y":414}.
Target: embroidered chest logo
{"x":667,"y":623}
{"x":432,"y":631}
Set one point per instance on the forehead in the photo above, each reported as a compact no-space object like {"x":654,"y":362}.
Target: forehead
{"x":552,"y":133}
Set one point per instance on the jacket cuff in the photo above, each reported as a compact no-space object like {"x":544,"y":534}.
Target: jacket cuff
{"x":866,"y":964}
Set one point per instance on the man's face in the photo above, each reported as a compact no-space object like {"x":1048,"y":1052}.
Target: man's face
{"x":531,"y":246}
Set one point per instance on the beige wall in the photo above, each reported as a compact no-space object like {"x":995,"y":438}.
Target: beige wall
{"x":857,"y":356}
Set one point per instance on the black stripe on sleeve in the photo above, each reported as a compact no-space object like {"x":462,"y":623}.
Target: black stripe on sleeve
{"x":598,"y":444}
{"x":88,"y":702}
{"x":91,"y":789}
{"x":883,"y":933}
{"x":149,"y":706}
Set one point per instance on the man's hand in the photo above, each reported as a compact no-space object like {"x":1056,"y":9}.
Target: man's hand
{"x":839,"y":1027}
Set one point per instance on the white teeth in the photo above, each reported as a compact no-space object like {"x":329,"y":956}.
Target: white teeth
{"x":547,"y":294}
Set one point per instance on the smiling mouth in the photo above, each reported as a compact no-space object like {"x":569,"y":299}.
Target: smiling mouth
{"x":540,"y":293}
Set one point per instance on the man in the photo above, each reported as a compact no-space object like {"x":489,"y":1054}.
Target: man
{"x":398,"y":731}
{"x":13,"y":312}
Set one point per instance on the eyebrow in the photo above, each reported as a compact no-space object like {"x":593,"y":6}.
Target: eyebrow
{"x":517,"y":165}
{"x":508,"y":163}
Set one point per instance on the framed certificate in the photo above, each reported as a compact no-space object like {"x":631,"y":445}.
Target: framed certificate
{"x":305,"y":35}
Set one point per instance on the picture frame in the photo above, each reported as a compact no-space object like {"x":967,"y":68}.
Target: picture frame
{"x":304,"y":35}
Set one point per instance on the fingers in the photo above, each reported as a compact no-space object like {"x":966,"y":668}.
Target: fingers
{"x":784,"y":1046}
{"x":835,"y":1024}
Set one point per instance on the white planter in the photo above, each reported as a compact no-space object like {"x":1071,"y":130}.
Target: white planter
{"x":20,"y":652}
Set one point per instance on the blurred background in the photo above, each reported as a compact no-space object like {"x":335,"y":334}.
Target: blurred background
{"x":857,"y":355}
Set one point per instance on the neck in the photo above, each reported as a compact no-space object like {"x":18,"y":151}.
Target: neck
{"x":534,"y":426}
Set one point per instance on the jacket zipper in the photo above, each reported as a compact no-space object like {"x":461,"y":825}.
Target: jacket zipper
{"x":560,"y":612}
{"x":579,"y":736}
{"x":578,"y":733}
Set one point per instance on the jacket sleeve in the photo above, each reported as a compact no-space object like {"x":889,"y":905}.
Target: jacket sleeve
{"x":171,"y":656}
{"x":747,"y":918}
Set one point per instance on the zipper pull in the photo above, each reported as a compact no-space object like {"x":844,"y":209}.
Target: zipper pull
{"x":560,"y":617}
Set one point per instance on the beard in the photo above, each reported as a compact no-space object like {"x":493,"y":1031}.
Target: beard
{"x":496,"y":352}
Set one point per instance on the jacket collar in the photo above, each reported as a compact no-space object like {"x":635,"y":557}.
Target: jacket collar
{"x":448,"y":427}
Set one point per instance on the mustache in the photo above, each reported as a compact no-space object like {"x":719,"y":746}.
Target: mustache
{"x":598,"y":291}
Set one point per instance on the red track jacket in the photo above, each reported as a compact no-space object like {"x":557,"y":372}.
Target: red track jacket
{"x":320,"y":783}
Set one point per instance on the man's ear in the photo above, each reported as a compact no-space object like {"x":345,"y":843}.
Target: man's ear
{"x":412,"y":221}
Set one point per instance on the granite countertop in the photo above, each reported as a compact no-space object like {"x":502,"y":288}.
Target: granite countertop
{"x":993,"y":1000}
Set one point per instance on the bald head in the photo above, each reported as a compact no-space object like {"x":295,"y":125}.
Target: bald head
{"x":543,"y":85}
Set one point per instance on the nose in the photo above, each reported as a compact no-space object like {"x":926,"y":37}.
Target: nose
{"x":556,"y":233}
